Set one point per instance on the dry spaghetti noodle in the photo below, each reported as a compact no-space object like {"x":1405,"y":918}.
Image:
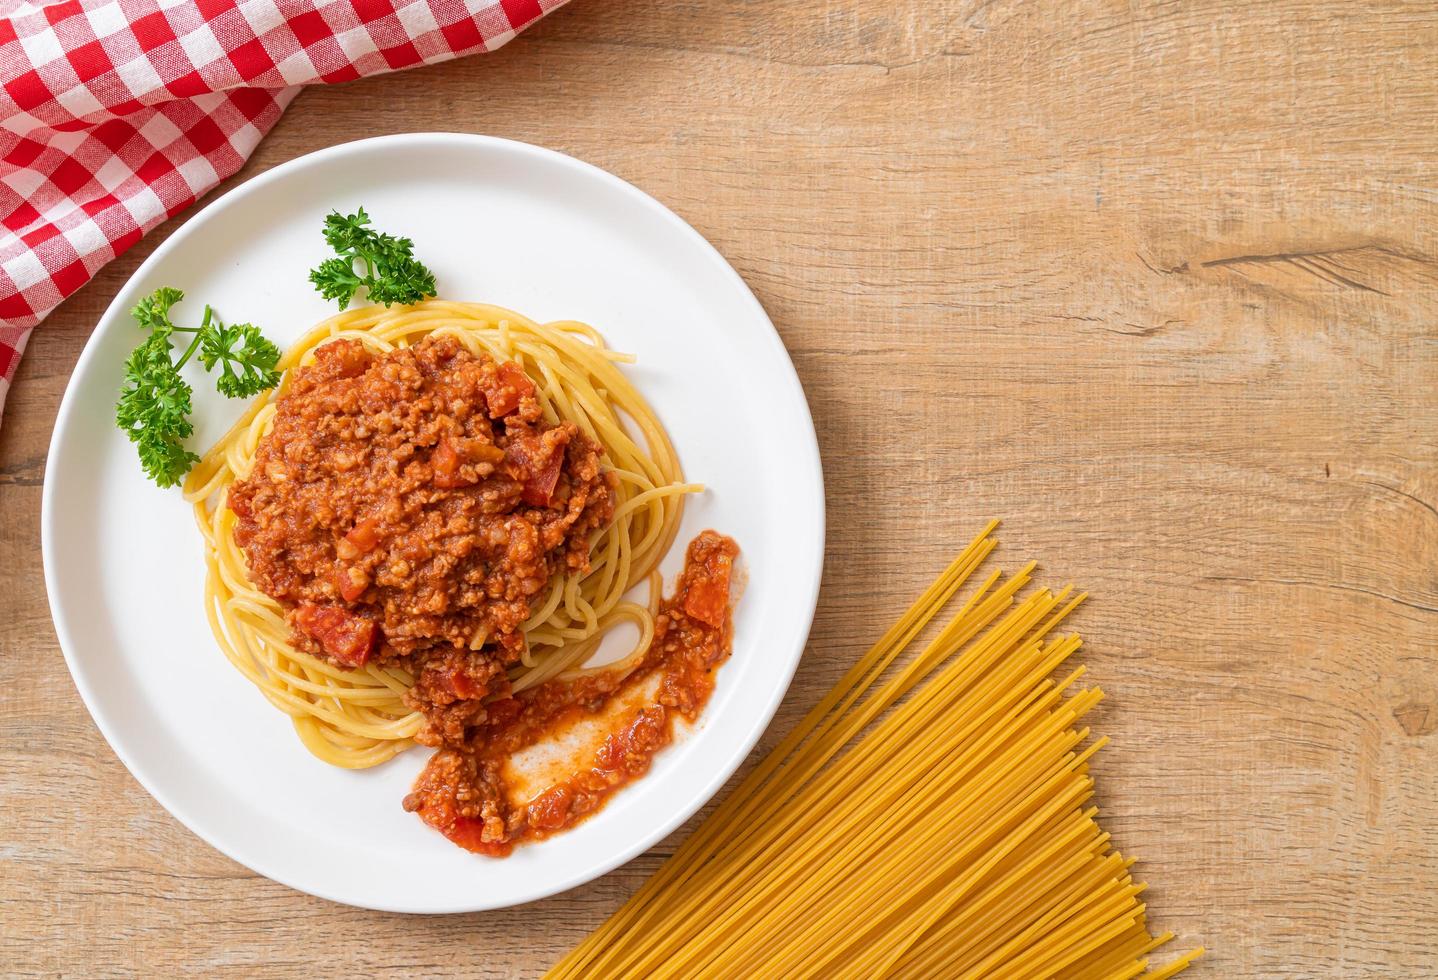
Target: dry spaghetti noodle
{"x":932,"y":824}
{"x":358,"y":718}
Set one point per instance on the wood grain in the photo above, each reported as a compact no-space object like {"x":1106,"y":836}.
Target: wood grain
{"x":1155,"y":282}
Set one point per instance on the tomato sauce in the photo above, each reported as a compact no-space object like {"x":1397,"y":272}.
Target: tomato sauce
{"x":464,"y":792}
{"x":406,"y":502}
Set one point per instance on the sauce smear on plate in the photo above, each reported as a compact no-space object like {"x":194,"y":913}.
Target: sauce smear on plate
{"x":467,"y":795}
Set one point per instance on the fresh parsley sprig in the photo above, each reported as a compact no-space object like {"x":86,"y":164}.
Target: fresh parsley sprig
{"x":390,"y":272}
{"x":154,"y":406}
{"x":246,"y":359}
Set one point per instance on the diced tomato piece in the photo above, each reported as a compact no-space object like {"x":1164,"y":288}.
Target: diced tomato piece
{"x":468,"y":833}
{"x":453,"y":452}
{"x":550,"y":809}
{"x":364,"y":535}
{"x":707,"y":598}
{"x":611,"y":754}
{"x":349,"y":639}
{"x":361,"y":539}
{"x":511,"y":384}
{"x":438,"y":809}
{"x":350,"y":582}
{"x":445,"y":462}
{"x":463,"y":685}
{"x":536,"y":463}
{"x":477,"y":450}
{"x":539,"y":489}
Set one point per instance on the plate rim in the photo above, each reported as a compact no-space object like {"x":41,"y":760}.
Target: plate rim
{"x":807,"y":455}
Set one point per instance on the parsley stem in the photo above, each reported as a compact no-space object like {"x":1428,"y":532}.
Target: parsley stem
{"x":198,"y":332}
{"x":189,"y":350}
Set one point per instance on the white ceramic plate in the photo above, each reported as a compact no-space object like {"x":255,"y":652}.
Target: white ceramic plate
{"x":499,"y":222}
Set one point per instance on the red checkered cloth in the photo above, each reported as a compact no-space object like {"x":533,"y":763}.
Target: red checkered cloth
{"x":116,"y":114}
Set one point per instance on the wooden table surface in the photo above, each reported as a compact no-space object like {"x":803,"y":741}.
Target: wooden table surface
{"x":1155,"y":282}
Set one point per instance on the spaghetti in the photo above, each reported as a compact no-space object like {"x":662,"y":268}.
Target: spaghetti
{"x":926,"y":821}
{"x":357,"y":718}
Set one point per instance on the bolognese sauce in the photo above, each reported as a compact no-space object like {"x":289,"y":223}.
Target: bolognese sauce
{"x":408,"y":508}
{"x":405,"y":504}
{"x":463,"y":791}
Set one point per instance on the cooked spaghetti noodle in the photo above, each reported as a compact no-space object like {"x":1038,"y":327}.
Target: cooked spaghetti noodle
{"x":931,"y":824}
{"x":357,"y":718}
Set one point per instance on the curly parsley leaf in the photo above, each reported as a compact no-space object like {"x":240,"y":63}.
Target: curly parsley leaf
{"x":154,"y":411}
{"x":165,"y":461}
{"x":247,"y":360}
{"x":153,"y":312}
{"x":388,"y":270}
{"x":336,"y":279}
{"x":155,"y":400}
{"x":155,"y":397}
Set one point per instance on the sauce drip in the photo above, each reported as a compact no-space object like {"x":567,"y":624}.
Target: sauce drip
{"x":464,"y":792}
